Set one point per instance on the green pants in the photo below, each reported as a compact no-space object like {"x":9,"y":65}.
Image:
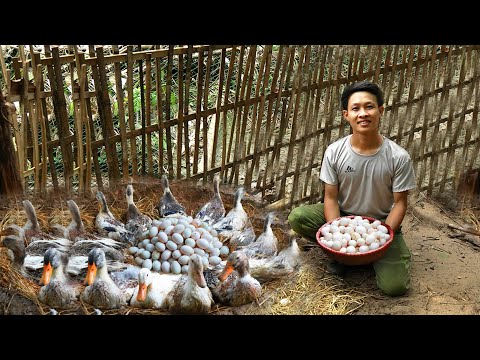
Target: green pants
{"x":392,"y":271}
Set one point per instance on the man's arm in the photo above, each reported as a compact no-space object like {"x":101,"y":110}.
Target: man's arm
{"x":395,"y":218}
{"x":330,"y":202}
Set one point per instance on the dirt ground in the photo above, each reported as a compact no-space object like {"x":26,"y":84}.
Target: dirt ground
{"x":444,"y":268}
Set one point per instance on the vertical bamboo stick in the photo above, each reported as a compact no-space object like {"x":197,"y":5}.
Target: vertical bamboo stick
{"x":221,"y":75}
{"x":121,"y":117}
{"x":161,"y":138}
{"x":82,"y":79}
{"x":34,"y":118}
{"x":148,"y":107}
{"x":186,"y":110}
{"x":198,"y":111}
{"x":168,"y":100}
{"x":131,"y":110}
{"x":206,"y":90}
{"x":180,"y":116}
{"x":142,"y":111}
{"x":411,"y":92}
{"x":224,"y":113}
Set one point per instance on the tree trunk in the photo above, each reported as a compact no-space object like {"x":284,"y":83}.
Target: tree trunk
{"x":10,"y":183}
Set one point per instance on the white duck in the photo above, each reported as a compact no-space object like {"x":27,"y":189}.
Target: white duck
{"x":153,"y":289}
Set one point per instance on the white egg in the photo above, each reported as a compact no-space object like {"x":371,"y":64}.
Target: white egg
{"x":325,"y":230}
{"x":336,"y":237}
{"x":132,"y":250}
{"x":171,"y":245}
{"x":363,"y":248}
{"x":139,"y":260}
{"x":179,"y":228}
{"x":341,"y":228}
{"x":156,"y":255}
{"x":370,"y":239}
{"x":224,"y":250}
{"x":214,"y":260}
{"x":176,"y":254}
{"x":335,"y":223}
{"x":344,"y":242}
{"x":352,"y":243}
{"x":215,"y":252}
{"x":163,"y":237}
{"x":329,"y":236}
{"x":146,"y":254}
{"x":175,"y":268}
{"x":360,"y":229}
{"x":185,"y":269}
{"x":164,"y":224}
{"x":347,"y":236}
{"x":382,"y":241}
{"x":183,"y":260}
{"x":177,"y":238}
{"x":336,"y":245}
{"x":329,"y":243}
{"x":189,"y":219}
{"x":386,"y":236}
{"x":376,"y":223}
{"x":334,"y":229}
{"x":195,"y":235}
{"x":186,"y":233}
{"x":147,"y":264}
{"x":154,"y":240}
{"x":205,"y":260}
{"x":150,"y":247}
{"x":160,"y":246}
{"x":358,"y":219}
{"x":166,"y":255}
{"x":165,"y":267}
{"x":360,"y":242}
{"x":186,"y":250}
{"x":343,"y":250}
{"x":382,"y":228}
{"x":374,"y":246}
{"x":156,"y":265}
{"x":203,"y":244}
{"x":153,"y":231}
{"x":351,"y":249}
{"x":213,"y":232}
{"x":344,"y":221}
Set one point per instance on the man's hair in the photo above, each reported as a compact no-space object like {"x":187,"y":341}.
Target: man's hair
{"x":361,"y":86}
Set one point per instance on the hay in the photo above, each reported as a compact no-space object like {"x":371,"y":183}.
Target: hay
{"x":12,"y":280}
{"x":308,"y":291}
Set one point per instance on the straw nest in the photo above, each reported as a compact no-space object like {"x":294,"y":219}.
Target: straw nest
{"x":308,"y":291}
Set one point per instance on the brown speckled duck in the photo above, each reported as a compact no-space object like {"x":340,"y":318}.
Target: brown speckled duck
{"x":236,"y":228}
{"x":101,"y":291}
{"x":191,"y":294}
{"x":237,"y":288}
{"x":57,"y":290}
{"x":168,"y":205}
{"x":213,"y":210}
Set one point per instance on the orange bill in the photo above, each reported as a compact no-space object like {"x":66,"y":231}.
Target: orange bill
{"x":46,"y":274}
{"x":142,"y":292}
{"x":226,"y":271}
{"x":91,"y":272}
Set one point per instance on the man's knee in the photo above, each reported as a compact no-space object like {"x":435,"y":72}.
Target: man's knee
{"x":395,"y":288}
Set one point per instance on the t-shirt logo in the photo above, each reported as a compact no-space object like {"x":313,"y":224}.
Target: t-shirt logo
{"x":349,"y":169}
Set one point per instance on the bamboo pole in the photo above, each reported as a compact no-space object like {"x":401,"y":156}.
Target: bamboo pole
{"x":206,"y":90}
{"x":121,"y":117}
{"x":221,"y":75}
{"x":158,"y":88}
{"x":142,"y":112}
{"x":168,"y":111}
{"x":180,"y":116}
{"x":198,"y":112}
{"x":131,"y":110}
{"x":148,"y":107}
{"x":186,"y":110}
{"x":224,"y":114}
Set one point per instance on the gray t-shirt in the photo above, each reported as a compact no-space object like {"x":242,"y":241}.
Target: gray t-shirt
{"x":367,"y":182}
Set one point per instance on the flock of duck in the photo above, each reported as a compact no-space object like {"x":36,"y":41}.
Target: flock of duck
{"x":62,"y":261}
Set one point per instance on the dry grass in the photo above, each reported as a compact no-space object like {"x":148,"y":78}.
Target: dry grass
{"x":309,"y":291}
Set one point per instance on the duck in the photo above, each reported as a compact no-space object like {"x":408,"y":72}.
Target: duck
{"x":108,"y":225}
{"x":31,"y":230}
{"x":28,"y":260}
{"x":153,"y":289}
{"x":213,"y":211}
{"x":57,"y":290}
{"x":286,"y":262}
{"x":101,"y":291}
{"x":137,"y":223}
{"x":266,"y":243}
{"x":168,"y":205}
{"x":237,"y":287}
{"x":236,"y":227}
{"x":191,"y":294}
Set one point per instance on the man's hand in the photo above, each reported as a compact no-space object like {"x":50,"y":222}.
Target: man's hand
{"x":331,"y":208}
{"x":395,"y":218}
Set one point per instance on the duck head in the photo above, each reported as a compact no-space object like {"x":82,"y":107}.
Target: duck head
{"x":195,"y":270}
{"x":238,"y":261}
{"x":96,"y":261}
{"x":144,"y":281}
{"x":53,"y":260}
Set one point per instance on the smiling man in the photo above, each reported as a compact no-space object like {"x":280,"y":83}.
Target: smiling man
{"x":364,"y":174}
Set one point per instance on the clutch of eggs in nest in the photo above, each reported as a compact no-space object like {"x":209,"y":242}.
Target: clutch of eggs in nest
{"x":354,"y":234}
{"x":166,"y":246}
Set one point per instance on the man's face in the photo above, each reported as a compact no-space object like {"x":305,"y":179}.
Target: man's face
{"x":363,"y":112}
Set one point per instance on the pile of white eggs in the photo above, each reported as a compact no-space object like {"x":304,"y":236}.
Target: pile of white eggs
{"x":354,"y":235}
{"x":166,"y":246}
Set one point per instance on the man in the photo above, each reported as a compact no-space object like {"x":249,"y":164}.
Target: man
{"x":365,"y":174}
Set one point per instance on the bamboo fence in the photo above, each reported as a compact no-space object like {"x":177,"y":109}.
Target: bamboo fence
{"x":261,"y":116}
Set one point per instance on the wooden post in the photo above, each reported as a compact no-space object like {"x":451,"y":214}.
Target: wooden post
{"x":10,"y":183}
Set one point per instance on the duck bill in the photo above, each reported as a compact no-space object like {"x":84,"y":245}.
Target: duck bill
{"x":46,"y":274}
{"x":91,"y":272}
{"x":200,"y":279}
{"x":142,"y":292}
{"x":226,"y":271}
